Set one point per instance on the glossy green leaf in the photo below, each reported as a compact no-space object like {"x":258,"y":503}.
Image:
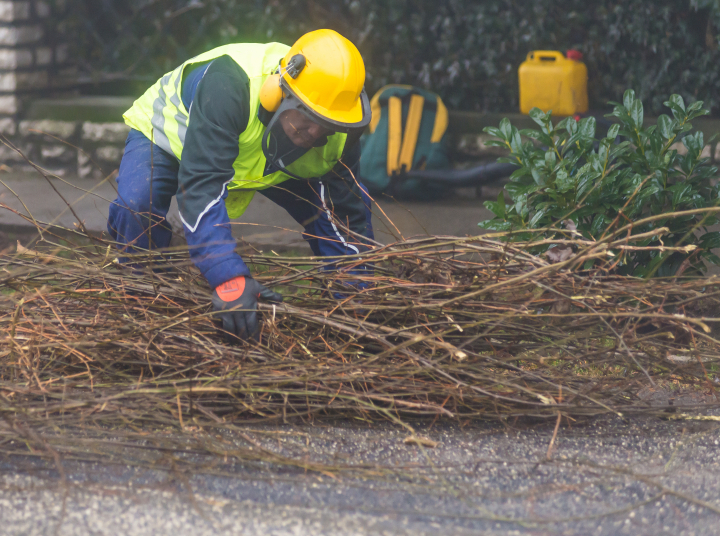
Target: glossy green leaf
{"x":550,"y":159}
{"x":506,"y":129}
{"x":496,"y":225}
{"x":536,"y":219}
{"x":628,"y":98}
{"x":613,"y":131}
{"x":678,"y":101}
{"x":636,"y":112}
{"x":564,"y":182}
{"x":711,"y":257}
{"x":537,"y":115}
{"x":666,"y":126}
{"x":587,"y":127}
{"x":710,"y":240}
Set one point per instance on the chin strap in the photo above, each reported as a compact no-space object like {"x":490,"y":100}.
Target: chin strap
{"x":272,"y":161}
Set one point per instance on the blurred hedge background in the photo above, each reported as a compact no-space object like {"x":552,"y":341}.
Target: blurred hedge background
{"x":466,"y":50}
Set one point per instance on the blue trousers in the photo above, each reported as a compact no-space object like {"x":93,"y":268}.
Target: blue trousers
{"x":148,"y":179}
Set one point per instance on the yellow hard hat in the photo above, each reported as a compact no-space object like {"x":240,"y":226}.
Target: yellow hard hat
{"x":323,"y":77}
{"x":326,"y":73}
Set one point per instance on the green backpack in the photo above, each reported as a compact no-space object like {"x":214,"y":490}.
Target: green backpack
{"x":407,"y":133}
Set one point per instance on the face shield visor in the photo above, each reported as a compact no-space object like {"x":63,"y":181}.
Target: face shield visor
{"x":291,"y":133}
{"x":295,"y":129}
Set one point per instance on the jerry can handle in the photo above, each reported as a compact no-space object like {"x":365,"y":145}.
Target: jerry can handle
{"x":545,"y":55}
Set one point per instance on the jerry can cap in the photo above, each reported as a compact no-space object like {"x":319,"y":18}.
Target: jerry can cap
{"x":574,"y":55}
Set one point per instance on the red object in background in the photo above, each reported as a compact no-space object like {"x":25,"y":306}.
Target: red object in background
{"x":574,"y":55}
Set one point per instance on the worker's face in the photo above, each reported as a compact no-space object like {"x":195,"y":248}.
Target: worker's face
{"x":302,"y":130}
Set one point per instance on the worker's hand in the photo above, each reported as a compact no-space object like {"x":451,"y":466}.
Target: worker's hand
{"x":237,"y":300}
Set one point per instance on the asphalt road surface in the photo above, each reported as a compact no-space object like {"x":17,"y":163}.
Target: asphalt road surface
{"x":609,"y":476}
{"x":264,"y":224}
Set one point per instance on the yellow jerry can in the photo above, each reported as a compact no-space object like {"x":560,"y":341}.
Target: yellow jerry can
{"x":551,"y":81}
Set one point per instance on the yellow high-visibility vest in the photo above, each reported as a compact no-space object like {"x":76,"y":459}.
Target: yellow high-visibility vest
{"x":161,"y":116}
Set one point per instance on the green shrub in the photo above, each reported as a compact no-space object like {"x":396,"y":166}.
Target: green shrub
{"x":603,"y":184}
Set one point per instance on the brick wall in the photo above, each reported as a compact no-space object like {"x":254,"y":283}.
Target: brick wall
{"x":33,"y":57}
{"x":34,"y":64}
{"x":77,"y":148}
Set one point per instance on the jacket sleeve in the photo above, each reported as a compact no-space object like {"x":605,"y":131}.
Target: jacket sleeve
{"x":219,"y":113}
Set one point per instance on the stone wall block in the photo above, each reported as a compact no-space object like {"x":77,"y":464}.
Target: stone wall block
{"x":9,"y":105}
{"x":61,"y":129}
{"x":9,"y":155}
{"x":14,"y":81}
{"x":42,"y":9}
{"x":8,"y":126}
{"x":53,"y":151}
{"x":85,"y":167}
{"x":109,"y":153}
{"x":105,"y":132}
{"x":58,"y":153}
{"x":12,"y":58}
{"x":20,"y":35}
{"x":14,"y":11}
{"x":8,"y":82}
{"x":83,"y":159}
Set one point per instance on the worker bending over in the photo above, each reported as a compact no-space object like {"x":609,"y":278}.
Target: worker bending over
{"x":282,"y":121}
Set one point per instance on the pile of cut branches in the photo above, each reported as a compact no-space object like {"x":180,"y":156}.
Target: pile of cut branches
{"x":443,"y":327}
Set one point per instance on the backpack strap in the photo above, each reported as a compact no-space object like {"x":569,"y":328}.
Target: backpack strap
{"x":394,"y":134}
{"x":441,"y":122}
{"x":376,"y":111}
{"x":376,"y":104}
{"x":412,"y":129}
{"x":401,"y":146}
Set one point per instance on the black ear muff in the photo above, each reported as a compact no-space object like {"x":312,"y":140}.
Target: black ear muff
{"x":271,"y":93}
{"x":295,"y":65}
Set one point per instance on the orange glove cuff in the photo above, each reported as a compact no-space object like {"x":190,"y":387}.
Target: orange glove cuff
{"x":231,"y":290}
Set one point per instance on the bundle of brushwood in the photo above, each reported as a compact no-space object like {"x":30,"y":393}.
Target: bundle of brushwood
{"x":440,"y":327}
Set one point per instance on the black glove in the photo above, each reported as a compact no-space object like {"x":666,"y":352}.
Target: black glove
{"x":238,"y":299}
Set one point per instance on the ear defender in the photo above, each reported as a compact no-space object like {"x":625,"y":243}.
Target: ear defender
{"x":271,"y":93}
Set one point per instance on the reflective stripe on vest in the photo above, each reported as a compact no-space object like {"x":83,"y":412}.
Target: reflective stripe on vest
{"x":161,"y":116}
